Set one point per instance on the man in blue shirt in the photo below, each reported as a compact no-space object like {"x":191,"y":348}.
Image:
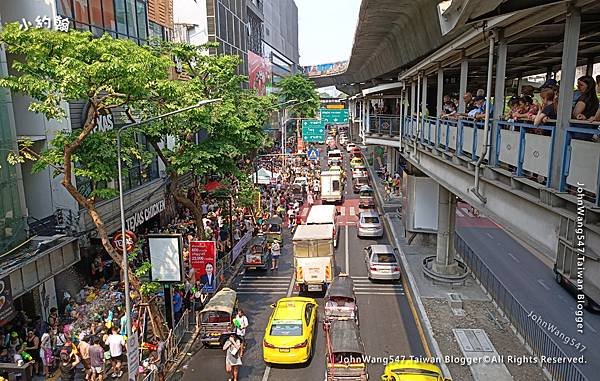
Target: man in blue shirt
{"x":177,"y":305}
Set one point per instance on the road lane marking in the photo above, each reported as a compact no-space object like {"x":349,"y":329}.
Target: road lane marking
{"x":489,"y":235}
{"x":543,"y":284}
{"x":352,"y":211}
{"x":513,"y":257}
{"x":342,"y":212}
{"x":304,"y":212}
{"x":590,"y":327}
{"x":459,"y":213}
{"x":346,"y":251}
{"x":289,"y":293}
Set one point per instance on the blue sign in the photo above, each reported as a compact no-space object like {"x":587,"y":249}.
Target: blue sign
{"x":312,"y":154}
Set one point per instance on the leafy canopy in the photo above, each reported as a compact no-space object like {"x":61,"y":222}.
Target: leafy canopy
{"x":299,"y":87}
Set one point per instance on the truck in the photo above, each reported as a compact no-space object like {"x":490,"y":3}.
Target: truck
{"x":314,"y":262}
{"x":332,"y":189}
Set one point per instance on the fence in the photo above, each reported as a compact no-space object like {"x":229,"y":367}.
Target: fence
{"x":535,"y":336}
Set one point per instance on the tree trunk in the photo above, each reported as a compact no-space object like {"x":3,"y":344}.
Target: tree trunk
{"x":186,"y":202}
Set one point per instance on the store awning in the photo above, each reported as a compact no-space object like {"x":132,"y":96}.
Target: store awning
{"x":212,"y":186}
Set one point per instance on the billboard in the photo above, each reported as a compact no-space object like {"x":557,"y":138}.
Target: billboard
{"x":203,"y":258}
{"x":165,"y":257}
{"x":259,"y":73}
{"x":325,"y":69}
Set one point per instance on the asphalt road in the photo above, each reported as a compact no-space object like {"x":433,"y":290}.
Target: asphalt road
{"x":387,"y":325}
{"x":532,"y":284}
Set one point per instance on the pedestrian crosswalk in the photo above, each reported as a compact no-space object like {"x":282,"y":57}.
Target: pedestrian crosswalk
{"x":263,"y":285}
{"x":363,"y":286}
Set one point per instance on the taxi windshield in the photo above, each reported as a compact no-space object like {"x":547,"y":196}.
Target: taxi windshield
{"x":286,"y":328}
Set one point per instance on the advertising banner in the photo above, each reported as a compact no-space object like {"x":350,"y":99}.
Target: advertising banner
{"x":203,"y":258}
{"x":259,"y":73}
{"x":7,"y":309}
{"x":166,"y":257}
{"x":325,"y":69}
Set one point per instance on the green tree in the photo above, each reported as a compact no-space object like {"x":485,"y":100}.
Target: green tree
{"x":302,"y":89}
{"x":232,"y":129}
{"x":53,"y":68}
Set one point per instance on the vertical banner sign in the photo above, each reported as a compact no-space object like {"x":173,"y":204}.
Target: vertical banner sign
{"x":133,"y":356}
{"x":7,"y":309}
{"x":203,"y":258}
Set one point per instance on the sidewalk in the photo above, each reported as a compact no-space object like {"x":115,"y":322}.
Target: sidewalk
{"x":471,"y":309}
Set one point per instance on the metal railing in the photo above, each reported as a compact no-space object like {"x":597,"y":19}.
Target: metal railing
{"x":538,"y":339}
{"x":521,"y":148}
{"x":384,"y":125}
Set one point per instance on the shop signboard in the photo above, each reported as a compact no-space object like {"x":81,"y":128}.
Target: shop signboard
{"x":145,"y":214}
{"x":133,"y":356}
{"x":334,"y":116}
{"x":7,"y":309}
{"x":166,"y":257}
{"x":130,"y":240}
{"x":203,"y":259}
{"x":313,"y":131}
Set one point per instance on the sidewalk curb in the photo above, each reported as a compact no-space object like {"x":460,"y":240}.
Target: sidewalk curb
{"x":412,"y":289}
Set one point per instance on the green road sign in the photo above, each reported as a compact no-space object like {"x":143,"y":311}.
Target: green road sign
{"x":313,"y":131}
{"x":334,"y":116}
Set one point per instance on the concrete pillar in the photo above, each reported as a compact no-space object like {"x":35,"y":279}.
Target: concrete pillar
{"x":444,"y":263}
{"x":401,"y":117}
{"x":413,"y":98}
{"x":440,"y":92}
{"x":565,"y":100}
{"x":498,"y":94}
{"x":464,"y":73}
{"x":368,"y":117}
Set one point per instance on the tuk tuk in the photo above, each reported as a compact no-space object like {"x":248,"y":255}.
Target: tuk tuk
{"x":274,"y":229}
{"x":366,"y":197}
{"x":297,"y":193}
{"x":340,"y":301}
{"x":217,"y":315}
{"x":258,"y":255}
{"x":345,"y":352}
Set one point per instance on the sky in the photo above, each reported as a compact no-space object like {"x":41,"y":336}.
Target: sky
{"x":326,"y":30}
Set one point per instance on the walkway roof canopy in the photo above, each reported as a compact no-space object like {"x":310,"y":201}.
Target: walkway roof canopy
{"x":395,"y":39}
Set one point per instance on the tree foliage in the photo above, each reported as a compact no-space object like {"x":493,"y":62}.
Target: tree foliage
{"x":299,"y":87}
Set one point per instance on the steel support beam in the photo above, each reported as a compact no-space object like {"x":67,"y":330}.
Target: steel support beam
{"x":424,"y":96}
{"x":413,"y":97}
{"x":498,"y":94}
{"x":440,"y":92}
{"x":464,"y":72}
{"x":565,"y":100}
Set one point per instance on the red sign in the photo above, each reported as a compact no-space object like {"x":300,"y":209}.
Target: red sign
{"x":130,"y":240}
{"x":203,"y":259}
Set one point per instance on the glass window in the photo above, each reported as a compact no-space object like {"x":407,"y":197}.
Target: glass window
{"x":222,"y":22}
{"x":131,"y":19}
{"x":81,"y":11}
{"x":142,"y":20}
{"x":120,"y":13}
{"x":286,"y":328}
{"x":108,"y":9}
{"x":384,"y":258}
{"x":230,"y":27}
{"x":96,"y":13}
{"x":65,"y":8}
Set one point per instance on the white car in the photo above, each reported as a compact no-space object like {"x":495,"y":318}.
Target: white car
{"x":330,"y":139}
{"x":302,"y":181}
{"x":350,"y":146}
{"x":382,"y":262}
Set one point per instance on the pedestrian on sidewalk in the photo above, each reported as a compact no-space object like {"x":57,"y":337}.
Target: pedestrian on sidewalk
{"x":96,"y":360}
{"x":233,"y":359}
{"x":115,"y":343}
{"x":84,"y":352}
{"x":275,"y":253}
{"x":240,"y":329}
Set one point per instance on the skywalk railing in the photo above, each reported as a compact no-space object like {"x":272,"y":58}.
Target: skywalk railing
{"x":522,"y":149}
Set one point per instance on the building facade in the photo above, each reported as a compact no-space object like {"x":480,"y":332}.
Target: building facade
{"x":44,"y":233}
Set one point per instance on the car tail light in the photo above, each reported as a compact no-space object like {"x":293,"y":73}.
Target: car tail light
{"x":373,"y":268}
{"x":301,"y":345}
{"x":396,"y":268}
{"x":266,"y":344}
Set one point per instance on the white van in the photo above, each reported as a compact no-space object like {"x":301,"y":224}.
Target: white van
{"x":334,"y":157}
{"x":332,"y":187}
{"x":324,"y":215}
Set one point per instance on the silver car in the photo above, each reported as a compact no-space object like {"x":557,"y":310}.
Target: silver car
{"x":369,"y":224}
{"x":382,"y":262}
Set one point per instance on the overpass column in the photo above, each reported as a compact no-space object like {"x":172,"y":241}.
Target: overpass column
{"x":424,"y":96}
{"x":444,"y":263}
{"x":464,"y":72}
{"x":368,"y":113}
{"x":413,"y":98}
{"x":568,"y":65}
{"x":401,"y":116}
{"x":498,"y":95}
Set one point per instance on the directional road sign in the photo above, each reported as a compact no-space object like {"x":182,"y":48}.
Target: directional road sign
{"x":312,"y":154}
{"x":334,"y":116}
{"x":313,"y":131}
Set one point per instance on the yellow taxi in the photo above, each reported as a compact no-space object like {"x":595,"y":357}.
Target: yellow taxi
{"x":289,"y":334}
{"x":338,"y":169}
{"x":356,"y":162}
{"x":412,"y":370}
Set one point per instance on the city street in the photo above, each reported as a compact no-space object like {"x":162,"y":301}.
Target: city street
{"x":387,"y":325}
